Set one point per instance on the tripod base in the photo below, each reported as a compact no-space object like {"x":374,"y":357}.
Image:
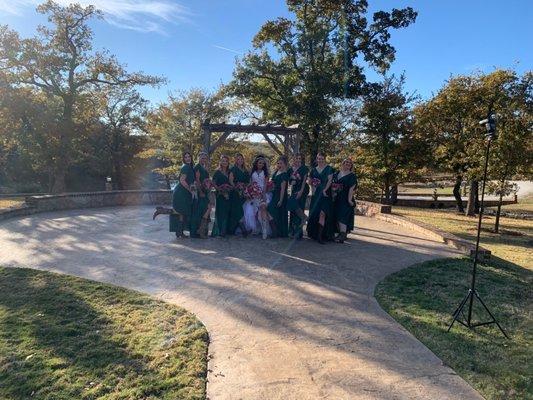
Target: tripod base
{"x":467,"y":321}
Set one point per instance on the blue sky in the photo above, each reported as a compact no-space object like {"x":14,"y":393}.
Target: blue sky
{"x":194,"y":42}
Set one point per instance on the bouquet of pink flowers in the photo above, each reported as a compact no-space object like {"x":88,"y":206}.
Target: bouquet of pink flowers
{"x":253,"y":191}
{"x":336,"y":188}
{"x":295,"y":177}
{"x":269,"y":186}
{"x":315,"y":182}
{"x":224,"y":190}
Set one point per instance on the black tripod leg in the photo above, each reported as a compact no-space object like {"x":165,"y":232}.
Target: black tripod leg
{"x":459,"y":309}
{"x":492,"y":316}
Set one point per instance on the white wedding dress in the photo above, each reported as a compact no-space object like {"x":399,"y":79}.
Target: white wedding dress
{"x":251,"y":207}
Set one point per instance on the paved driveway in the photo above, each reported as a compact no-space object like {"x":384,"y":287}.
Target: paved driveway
{"x":287,"y":320}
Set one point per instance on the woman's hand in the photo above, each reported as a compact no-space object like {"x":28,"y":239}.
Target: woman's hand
{"x":280,"y":203}
{"x":351,"y":202}
{"x":324,"y":193}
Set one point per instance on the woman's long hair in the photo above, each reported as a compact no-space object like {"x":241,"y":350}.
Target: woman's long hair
{"x":301,"y":156}
{"x":183,"y":158}
{"x":243,"y":161}
{"x":255,"y":166}
{"x":220,"y":163}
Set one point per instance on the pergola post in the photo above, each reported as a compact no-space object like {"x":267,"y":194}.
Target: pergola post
{"x":207,"y":138}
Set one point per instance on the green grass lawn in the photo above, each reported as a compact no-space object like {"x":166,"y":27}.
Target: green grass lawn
{"x":514,"y":243}
{"x":423,"y":297}
{"x":68,"y":338}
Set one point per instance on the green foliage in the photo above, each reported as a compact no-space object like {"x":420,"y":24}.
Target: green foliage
{"x":60,"y":63}
{"x":308,"y":69}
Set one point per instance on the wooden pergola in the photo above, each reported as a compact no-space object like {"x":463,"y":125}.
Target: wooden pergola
{"x":288,"y":136}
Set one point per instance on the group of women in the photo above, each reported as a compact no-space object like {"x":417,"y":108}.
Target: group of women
{"x":253,"y":201}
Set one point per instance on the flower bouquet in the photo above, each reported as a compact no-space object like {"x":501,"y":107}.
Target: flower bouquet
{"x":336,"y":188}
{"x":295,"y":177}
{"x":315,"y":182}
{"x":269,"y":186}
{"x":224,"y":190}
{"x":208,"y":185}
{"x":253,"y":191}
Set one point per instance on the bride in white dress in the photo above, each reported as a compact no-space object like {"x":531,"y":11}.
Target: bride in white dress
{"x":255,"y":210}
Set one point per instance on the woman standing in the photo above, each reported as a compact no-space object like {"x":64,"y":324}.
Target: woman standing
{"x":201,"y":206}
{"x":182,"y":197}
{"x":345,"y":184}
{"x":298,"y":174}
{"x":239,"y":177}
{"x":320,"y":225}
{"x":255,"y":212}
{"x":277,"y":208}
{"x":223,"y":205}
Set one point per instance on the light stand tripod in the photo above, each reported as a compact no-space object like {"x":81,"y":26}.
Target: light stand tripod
{"x":490,"y":124}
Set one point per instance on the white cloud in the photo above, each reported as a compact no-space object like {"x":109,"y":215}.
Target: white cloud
{"x":139,"y":15}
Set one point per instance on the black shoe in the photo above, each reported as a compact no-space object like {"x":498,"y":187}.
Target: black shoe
{"x":341,"y":237}
{"x":320,"y":234}
{"x":274,"y":229}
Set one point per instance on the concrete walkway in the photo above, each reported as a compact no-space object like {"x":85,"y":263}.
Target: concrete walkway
{"x":286,"y":320}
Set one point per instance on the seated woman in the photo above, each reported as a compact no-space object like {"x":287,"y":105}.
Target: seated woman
{"x":277,"y":208}
{"x":344,"y":205}
{"x":223,"y":205}
{"x":255,"y":208}
{"x":320,"y":225}
{"x":239,"y":177}
{"x":201,"y":207}
{"x":298,"y":174}
{"x":182,"y":197}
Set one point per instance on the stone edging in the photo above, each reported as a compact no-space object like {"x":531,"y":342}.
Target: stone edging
{"x":432,"y":232}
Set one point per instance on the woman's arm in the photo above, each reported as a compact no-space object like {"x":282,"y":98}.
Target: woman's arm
{"x":350,"y":195}
{"x":328,"y":184}
{"x":231,"y":179}
{"x":282,"y":193}
{"x":183,"y":182}
{"x":301,"y":191}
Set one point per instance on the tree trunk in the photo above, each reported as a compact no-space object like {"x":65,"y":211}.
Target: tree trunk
{"x":386,"y":190}
{"x":472,"y":196}
{"x":499,"y":210}
{"x":62,"y":157}
{"x":457,"y":193}
{"x":394,"y":194}
{"x":118,"y":179}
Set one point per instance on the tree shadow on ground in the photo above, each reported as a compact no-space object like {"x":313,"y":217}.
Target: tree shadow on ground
{"x":321,"y":296}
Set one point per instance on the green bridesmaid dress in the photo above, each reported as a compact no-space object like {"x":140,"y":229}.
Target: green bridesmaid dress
{"x":279,"y":214}
{"x":237,"y":202}
{"x":200,"y":204}
{"x":344,"y":212}
{"x":319,"y":203}
{"x":223,"y":206}
{"x":293,"y":204}
{"x":182,"y":200}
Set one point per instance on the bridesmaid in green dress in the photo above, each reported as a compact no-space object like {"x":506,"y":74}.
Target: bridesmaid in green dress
{"x":201,"y":206}
{"x":238,"y":175}
{"x":277,"y":208}
{"x":223,"y":204}
{"x":320,"y":225}
{"x":344,"y":204}
{"x":182,"y":197}
{"x":299,"y":191}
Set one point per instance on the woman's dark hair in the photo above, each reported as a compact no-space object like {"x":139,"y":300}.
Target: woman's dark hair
{"x":183,"y":158}
{"x":243,"y":161}
{"x":284,"y":160}
{"x":301,"y":156}
{"x":320,"y":154}
{"x":255,"y":167}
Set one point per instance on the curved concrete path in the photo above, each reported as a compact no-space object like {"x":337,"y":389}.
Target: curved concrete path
{"x":286,"y":320}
